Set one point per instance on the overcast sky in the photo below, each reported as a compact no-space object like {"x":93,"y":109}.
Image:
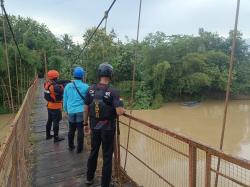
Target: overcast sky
{"x":170,"y":16}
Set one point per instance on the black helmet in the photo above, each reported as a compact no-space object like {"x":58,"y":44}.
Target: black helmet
{"x":105,"y":70}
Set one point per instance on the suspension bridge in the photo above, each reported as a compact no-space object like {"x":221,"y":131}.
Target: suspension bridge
{"x":27,"y":159}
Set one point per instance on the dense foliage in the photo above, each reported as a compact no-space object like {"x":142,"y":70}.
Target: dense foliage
{"x":177,"y":67}
{"x":34,"y":40}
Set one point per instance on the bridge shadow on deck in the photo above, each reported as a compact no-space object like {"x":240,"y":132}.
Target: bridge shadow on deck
{"x":52,"y":164}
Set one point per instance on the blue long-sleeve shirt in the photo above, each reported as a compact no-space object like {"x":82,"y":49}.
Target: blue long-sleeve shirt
{"x":72,"y":101}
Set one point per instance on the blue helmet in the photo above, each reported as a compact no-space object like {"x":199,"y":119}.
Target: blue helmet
{"x":78,"y":72}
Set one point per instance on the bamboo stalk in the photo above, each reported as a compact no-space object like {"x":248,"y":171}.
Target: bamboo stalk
{"x":27,"y":78}
{"x":21,"y":77}
{"x":24,"y":85}
{"x":45,"y":66}
{"x":7,"y":93}
{"x":17,"y":80}
{"x":8,"y":67}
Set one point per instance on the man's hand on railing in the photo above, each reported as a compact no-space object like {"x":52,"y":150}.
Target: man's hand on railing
{"x":120,"y":111}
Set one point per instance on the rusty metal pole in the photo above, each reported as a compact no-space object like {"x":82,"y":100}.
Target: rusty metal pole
{"x":192,"y":165}
{"x":105,"y":29}
{"x":117,"y":160}
{"x":208,"y":170}
{"x":133,"y":82}
{"x":229,"y":82}
{"x":106,"y":21}
{"x":118,"y":152}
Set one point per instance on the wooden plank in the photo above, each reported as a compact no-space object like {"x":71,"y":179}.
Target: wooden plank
{"x":53,"y":164}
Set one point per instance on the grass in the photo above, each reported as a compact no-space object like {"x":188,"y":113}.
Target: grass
{"x":3,"y":110}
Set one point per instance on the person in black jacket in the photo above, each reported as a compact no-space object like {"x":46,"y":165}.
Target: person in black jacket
{"x":102,"y":105}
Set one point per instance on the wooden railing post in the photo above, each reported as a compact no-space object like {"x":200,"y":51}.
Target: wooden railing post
{"x":208,"y":170}
{"x":192,"y":165}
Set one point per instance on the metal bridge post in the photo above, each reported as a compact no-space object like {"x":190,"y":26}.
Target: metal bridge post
{"x":208,"y":170}
{"x":192,"y":165}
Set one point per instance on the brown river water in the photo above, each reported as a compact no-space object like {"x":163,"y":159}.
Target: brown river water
{"x":203,"y":123}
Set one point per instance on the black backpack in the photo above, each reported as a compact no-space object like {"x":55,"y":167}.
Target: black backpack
{"x":53,"y":92}
{"x":101,"y":107}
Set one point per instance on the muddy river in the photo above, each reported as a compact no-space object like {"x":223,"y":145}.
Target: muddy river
{"x":202,"y":122}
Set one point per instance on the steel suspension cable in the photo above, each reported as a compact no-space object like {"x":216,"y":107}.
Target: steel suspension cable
{"x":133,"y":81}
{"x":229,"y":82}
{"x":92,"y":35}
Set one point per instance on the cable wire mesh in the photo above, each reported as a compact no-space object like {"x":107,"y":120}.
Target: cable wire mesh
{"x":159,"y":157}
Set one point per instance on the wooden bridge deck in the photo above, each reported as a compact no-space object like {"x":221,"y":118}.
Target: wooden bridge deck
{"x":53,"y":165}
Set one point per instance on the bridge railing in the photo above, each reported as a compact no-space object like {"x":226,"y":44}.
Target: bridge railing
{"x":14,"y":151}
{"x":155,"y":156}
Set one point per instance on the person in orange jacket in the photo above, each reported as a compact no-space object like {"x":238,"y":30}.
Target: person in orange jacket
{"x":54,"y":96}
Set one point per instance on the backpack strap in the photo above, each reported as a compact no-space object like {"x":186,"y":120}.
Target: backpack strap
{"x":83,"y":98}
{"x":105,"y":88}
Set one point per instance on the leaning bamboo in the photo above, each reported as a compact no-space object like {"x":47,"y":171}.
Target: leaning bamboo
{"x":21,"y":77}
{"x":17,"y":80}
{"x":8,"y":67}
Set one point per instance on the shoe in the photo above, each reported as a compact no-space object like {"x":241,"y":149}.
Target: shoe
{"x":79,"y":151}
{"x":89,"y":182}
{"x":49,"y":137}
{"x":58,"y":139}
{"x":71,"y":148}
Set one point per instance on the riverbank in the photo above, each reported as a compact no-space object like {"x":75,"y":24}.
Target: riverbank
{"x":5,"y":120}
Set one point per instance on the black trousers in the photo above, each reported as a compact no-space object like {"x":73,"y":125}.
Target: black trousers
{"x":80,"y":135}
{"x":54,"y":117}
{"x":106,"y":138}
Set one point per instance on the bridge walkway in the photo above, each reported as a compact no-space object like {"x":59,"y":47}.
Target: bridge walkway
{"x":53,"y":165}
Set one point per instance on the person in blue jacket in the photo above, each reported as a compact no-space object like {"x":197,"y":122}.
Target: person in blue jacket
{"x":73,"y":103}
